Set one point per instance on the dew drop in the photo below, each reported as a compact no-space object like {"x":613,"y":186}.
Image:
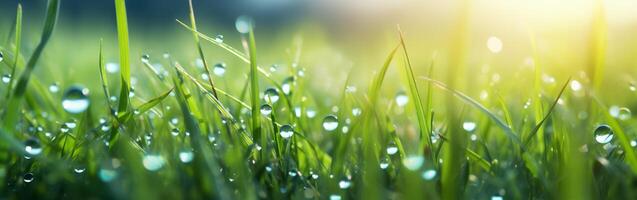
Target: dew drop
{"x":401,"y":99}
{"x":32,"y":146}
{"x":28,"y":177}
{"x":107,"y":175}
{"x":186,"y":156}
{"x":330,"y":123}
{"x":79,"y":170}
{"x":497,"y":198}
{"x":344,"y":184}
{"x":311,"y":113}
{"x":624,"y":113}
{"x":243,"y":24}
{"x":576,"y":85}
{"x":174,"y":132}
{"x":112,"y":67}
{"x":356,"y":111}
{"x":1,"y":56}
{"x":219,"y":69}
{"x":494,"y":44}
{"x":271,"y":95}
{"x":153,"y":162}
{"x":54,"y":88}
{"x":219,"y":39}
{"x":145,"y":58}
{"x":429,"y":174}
{"x":391,"y":150}
{"x":603,"y":134}
{"x":469,"y":126}
{"x":286,"y":131}
{"x":286,"y":86}
{"x":335,"y":197}
{"x":266,"y":109}
{"x":6,"y":78}
{"x":75,"y":99}
{"x":413,"y":162}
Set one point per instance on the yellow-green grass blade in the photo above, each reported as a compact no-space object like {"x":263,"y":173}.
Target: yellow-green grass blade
{"x":124,"y":54}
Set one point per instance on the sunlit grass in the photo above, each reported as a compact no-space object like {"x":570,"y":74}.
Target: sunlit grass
{"x":167,"y":127}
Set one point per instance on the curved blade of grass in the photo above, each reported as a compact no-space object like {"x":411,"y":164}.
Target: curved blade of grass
{"x":509,"y":132}
{"x":144,"y":107}
{"x":415,"y":95}
{"x":15,"y":103}
{"x":16,"y":52}
{"x":538,"y":125}
{"x":199,"y":49}
{"x":104,"y":78}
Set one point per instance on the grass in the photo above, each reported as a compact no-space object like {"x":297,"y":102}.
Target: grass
{"x":178,"y":135}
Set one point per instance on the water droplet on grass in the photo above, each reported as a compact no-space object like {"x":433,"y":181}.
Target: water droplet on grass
{"x":153,"y":162}
{"x":219,"y":69}
{"x":6,"y":78}
{"x":112,"y":67}
{"x":413,"y":162}
{"x":356,"y":111}
{"x":576,"y":85}
{"x":401,"y":99}
{"x":174,"y":132}
{"x":243,"y":24}
{"x":429,"y":174}
{"x":107,"y":175}
{"x":271,"y":95}
{"x":344,"y":184}
{"x":75,"y":99}
{"x":219,"y":39}
{"x":497,"y":198}
{"x":54,"y":88}
{"x":28,"y":177}
{"x":32,"y":146}
{"x":286,"y":86}
{"x":286,"y":131}
{"x":391,"y":150}
{"x":469,"y":126}
{"x":1,"y":56}
{"x":335,"y":197}
{"x":624,"y":113}
{"x":330,"y":123}
{"x":145,"y":58}
{"x":79,"y":170}
{"x":494,"y":44}
{"x":266,"y":109}
{"x":186,"y":156}
{"x":603,"y":134}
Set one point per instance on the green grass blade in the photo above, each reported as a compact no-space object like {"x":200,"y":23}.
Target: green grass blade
{"x":548,"y":113}
{"x":503,"y":125}
{"x":16,"y":52}
{"x":199,"y":49}
{"x":124,"y":53}
{"x":623,"y":138}
{"x":254,"y":84}
{"x":15,"y":102}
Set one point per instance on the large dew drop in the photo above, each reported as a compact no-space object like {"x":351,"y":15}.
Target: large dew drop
{"x":603,"y":134}
{"x":469,"y":126}
{"x":32,"y":147}
{"x":286,"y":131}
{"x":330,"y":123}
{"x":28,"y":177}
{"x":286,"y":86}
{"x":266,"y":109}
{"x":186,"y":156}
{"x":413,"y":162}
{"x":219,"y":69}
{"x":271,"y":95}
{"x":153,"y":162}
{"x":243,"y":24}
{"x":75,"y":99}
